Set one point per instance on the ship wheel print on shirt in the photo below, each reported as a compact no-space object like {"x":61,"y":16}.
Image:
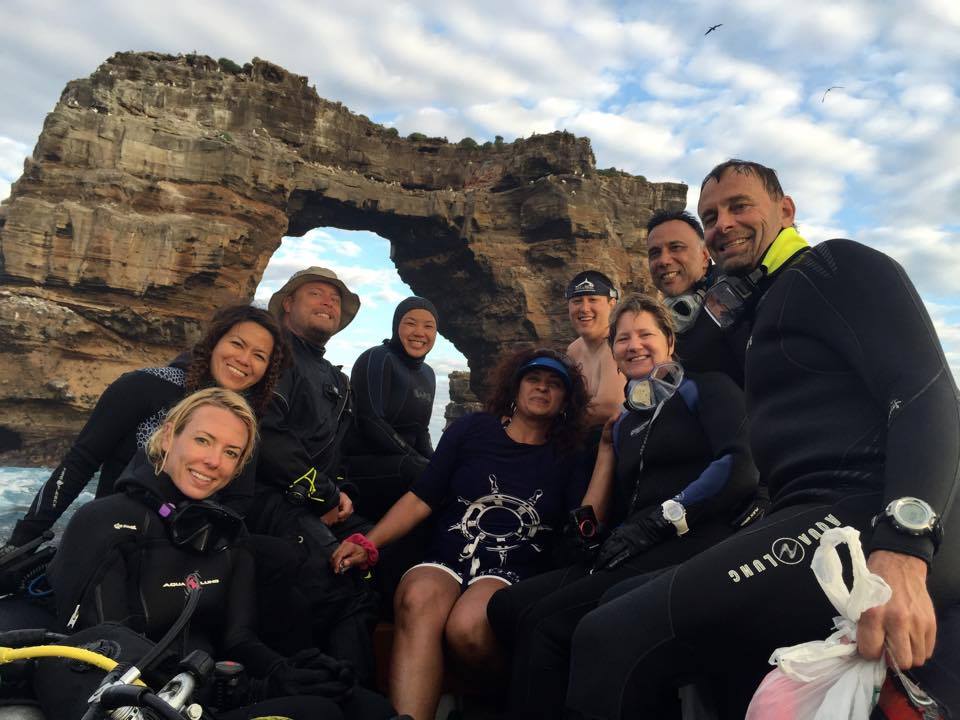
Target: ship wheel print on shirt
{"x":491,"y":533}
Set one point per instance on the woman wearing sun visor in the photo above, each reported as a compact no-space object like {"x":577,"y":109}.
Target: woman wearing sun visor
{"x":675,"y":469}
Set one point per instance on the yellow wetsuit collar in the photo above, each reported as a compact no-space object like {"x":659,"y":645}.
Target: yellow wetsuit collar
{"x":787,"y":244}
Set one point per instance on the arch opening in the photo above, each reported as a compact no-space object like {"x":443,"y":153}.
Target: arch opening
{"x":362,"y":260}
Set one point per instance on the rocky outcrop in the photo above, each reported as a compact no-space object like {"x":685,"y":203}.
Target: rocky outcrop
{"x":161,"y":185}
{"x":462,"y":399}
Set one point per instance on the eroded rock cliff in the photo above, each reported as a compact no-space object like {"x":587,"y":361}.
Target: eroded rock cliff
{"x":161,"y":185}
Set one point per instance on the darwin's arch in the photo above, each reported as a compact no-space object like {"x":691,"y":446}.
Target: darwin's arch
{"x":161,"y":185}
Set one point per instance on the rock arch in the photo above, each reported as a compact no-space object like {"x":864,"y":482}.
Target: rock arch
{"x":161,"y":185}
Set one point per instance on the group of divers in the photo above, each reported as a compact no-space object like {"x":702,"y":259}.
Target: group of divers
{"x":623,"y":519}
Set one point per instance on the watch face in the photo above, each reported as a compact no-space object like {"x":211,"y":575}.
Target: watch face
{"x":913,"y":514}
{"x":673,"y":511}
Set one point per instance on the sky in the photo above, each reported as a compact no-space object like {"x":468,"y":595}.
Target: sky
{"x":876,"y":159}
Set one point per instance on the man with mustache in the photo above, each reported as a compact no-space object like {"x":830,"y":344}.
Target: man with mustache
{"x":854,"y":421}
{"x":680,"y":268}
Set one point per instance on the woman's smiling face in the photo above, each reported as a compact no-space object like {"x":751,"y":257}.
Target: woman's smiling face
{"x":241,"y":357}
{"x":640,"y":344}
{"x":541,"y":394}
{"x":203,"y":458}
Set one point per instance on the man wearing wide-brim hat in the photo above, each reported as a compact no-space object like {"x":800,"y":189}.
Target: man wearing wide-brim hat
{"x":287,"y":303}
{"x":299,"y":478}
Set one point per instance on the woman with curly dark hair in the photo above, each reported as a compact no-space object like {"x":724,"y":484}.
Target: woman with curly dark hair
{"x":499,"y":485}
{"x":243,"y":350}
{"x":673,"y":472}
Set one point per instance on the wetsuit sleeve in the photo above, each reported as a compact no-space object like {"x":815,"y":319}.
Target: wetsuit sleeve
{"x":84,"y":556}
{"x":240,"y":639}
{"x":372,"y":378}
{"x":892,"y":346}
{"x":433,"y":485}
{"x":283,"y":457}
{"x":121,"y":407}
{"x":424,"y":445}
{"x":731,"y":477}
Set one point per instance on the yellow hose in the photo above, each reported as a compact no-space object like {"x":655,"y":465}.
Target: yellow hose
{"x":59,"y":651}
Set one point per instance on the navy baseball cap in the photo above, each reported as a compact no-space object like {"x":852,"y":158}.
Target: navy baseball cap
{"x":591,"y":282}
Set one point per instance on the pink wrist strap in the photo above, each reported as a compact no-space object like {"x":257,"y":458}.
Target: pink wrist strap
{"x":373,"y":555}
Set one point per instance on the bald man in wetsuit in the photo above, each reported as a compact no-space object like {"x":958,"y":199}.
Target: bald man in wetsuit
{"x":854,"y":421}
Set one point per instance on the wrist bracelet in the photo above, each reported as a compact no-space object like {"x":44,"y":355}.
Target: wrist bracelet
{"x":373,"y":555}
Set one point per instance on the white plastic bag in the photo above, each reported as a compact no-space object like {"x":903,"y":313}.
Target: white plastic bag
{"x":827,"y":679}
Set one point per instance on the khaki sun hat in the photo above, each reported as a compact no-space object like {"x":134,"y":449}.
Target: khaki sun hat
{"x":349,"y":301}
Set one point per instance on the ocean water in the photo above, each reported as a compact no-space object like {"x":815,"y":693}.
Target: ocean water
{"x":17,"y":489}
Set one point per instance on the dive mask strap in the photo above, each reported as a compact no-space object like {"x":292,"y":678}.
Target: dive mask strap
{"x":731,"y":296}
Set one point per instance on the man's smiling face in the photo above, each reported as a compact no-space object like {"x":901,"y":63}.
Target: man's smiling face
{"x":741,"y":220}
{"x":313,"y":311}
{"x":676,"y":257}
{"x":590,"y":315}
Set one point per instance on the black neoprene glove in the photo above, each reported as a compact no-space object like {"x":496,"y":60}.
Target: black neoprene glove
{"x":310,"y":672}
{"x":638,"y":534}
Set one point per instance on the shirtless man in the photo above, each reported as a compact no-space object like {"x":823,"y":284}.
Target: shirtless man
{"x":590,"y":298}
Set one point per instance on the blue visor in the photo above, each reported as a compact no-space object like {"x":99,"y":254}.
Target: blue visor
{"x":550,"y":364}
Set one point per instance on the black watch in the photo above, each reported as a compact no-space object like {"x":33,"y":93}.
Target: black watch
{"x":912,"y":516}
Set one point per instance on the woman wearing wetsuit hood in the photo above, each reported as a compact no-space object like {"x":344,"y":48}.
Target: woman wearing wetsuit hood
{"x":394,"y":390}
{"x":125,"y":557}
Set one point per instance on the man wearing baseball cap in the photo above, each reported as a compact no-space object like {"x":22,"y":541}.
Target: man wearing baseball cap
{"x":590,"y":299}
{"x":299,"y":494}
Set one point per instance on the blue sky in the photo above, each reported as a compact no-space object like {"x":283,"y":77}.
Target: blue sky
{"x":877,"y":159}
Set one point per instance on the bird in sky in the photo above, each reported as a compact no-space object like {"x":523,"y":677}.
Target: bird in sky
{"x":712,"y":28}
{"x":832,"y":87}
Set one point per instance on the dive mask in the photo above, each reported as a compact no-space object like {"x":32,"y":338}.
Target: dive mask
{"x":685,"y":309}
{"x":201,"y":524}
{"x":728,"y":299}
{"x":658,"y":387}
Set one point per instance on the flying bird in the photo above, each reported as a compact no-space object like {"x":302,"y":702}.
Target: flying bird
{"x":714,"y":27}
{"x":832,"y":87}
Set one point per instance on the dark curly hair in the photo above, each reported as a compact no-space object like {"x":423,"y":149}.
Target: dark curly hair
{"x":568,"y":428}
{"x":198,"y":373}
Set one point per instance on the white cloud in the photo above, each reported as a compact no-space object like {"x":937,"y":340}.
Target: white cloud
{"x":12,"y":155}
{"x":632,"y":144}
{"x":928,"y":253}
{"x":434,"y":122}
{"x":655,"y":96}
{"x":937,"y":98}
{"x":663,"y":86}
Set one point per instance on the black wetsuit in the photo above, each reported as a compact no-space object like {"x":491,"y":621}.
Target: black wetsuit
{"x":703,"y":347}
{"x":303,"y":427}
{"x":696,"y":451}
{"x":118,"y":563}
{"x":301,"y":435}
{"x":851,"y":404}
{"x":391,"y":445}
{"x":125,"y":416}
